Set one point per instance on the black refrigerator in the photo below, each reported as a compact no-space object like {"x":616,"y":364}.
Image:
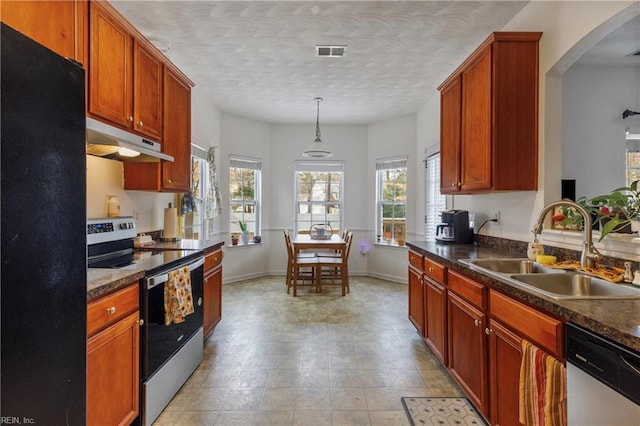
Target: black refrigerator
{"x":43,"y":228}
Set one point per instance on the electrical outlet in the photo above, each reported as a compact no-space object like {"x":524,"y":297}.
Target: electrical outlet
{"x":496,"y":216}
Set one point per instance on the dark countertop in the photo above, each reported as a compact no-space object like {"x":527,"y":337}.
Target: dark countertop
{"x":619,"y":320}
{"x":204,"y":245}
{"x":101,"y":282}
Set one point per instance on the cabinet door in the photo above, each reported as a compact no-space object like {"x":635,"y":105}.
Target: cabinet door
{"x":450,"y":113}
{"x":476,"y":147}
{"x":416,"y":300}
{"x":436,"y":318}
{"x":212,"y":299}
{"x":110,"y":82}
{"x":505,"y":357}
{"x":58,"y":25}
{"x":467,"y":350}
{"x":176,"y":142}
{"x":147,"y":95}
{"x":113,"y":373}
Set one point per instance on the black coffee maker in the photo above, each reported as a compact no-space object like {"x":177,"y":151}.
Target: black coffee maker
{"x":454,"y":227}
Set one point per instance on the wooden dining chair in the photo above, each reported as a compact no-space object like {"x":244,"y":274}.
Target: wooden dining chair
{"x":301,"y":270}
{"x":334,"y":270}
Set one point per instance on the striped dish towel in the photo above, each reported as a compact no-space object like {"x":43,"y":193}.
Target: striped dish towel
{"x":543,"y":388}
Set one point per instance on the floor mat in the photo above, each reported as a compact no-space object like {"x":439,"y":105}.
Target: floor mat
{"x":441,"y":411}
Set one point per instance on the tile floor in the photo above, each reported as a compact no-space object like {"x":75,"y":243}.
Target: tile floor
{"x":318,"y":359}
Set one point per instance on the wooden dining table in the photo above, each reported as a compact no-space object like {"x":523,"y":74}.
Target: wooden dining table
{"x":305,"y":243}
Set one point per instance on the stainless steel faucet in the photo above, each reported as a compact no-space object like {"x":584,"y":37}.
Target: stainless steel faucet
{"x":589,"y":253}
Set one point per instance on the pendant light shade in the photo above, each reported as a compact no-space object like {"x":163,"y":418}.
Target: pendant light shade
{"x":317,"y":148}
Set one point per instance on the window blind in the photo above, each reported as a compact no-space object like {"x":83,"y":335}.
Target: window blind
{"x":391,"y":163}
{"x":319,"y":166}
{"x":245,"y":163}
{"x":435,"y":202}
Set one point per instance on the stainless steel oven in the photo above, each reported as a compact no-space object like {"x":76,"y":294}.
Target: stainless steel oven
{"x":168,"y":353}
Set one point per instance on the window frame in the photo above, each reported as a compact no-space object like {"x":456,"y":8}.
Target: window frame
{"x":254,"y":225}
{"x":318,"y":167}
{"x":384,"y":165}
{"x":434,"y":201}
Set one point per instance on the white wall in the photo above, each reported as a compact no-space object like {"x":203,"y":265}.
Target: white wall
{"x":240,"y":136}
{"x":390,"y":138}
{"x":593,"y":130}
{"x":348,"y":143}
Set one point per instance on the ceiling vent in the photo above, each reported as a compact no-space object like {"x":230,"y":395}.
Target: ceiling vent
{"x":331,"y":51}
{"x":636,"y":53}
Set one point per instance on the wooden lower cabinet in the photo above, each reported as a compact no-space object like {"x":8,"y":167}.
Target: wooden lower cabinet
{"x":436,"y":318}
{"x":468,"y":349}
{"x":212,"y":292}
{"x":416,"y":299}
{"x":113,"y":349}
{"x":505,"y":357}
{"x":477,"y":332}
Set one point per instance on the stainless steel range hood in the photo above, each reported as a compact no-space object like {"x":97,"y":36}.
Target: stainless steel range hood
{"x":110,"y":142}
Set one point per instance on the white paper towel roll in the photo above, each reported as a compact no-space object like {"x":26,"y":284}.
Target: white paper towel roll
{"x":170,"y":223}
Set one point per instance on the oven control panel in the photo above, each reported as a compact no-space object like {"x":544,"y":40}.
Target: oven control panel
{"x":110,"y":229}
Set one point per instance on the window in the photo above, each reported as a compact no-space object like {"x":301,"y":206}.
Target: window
{"x":633,"y":158}
{"x":435,"y":202}
{"x":244,"y":194}
{"x":193,"y":204}
{"x":391,"y":199}
{"x":318,"y":195}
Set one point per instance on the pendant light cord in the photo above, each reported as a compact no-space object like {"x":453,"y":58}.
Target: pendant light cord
{"x":318,"y":120}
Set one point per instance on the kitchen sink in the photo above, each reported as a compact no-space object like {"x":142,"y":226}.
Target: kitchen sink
{"x":576,"y":286}
{"x":510,"y":266}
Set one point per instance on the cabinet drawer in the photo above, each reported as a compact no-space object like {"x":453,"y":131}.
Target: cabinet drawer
{"x":541,"y":329}
{"x":415,"y":260}
{"x":212,"y":259}
{"x":471,"y":291}
{"x":112,"y":308}
{"x":434,"y":270}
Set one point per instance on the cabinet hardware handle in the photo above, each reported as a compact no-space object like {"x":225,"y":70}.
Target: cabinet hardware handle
{"x":140,"y":124}
{"x":141,"y":322}
{"x":487,"y":331}
{"x":476,"y":322}
{"x":430,"y":269}
{"x":459,"y":184}
{"x":130,"y":118}
{"x":111,"y":310}
{"x":169,"y":180}
{"x":454,"y":184}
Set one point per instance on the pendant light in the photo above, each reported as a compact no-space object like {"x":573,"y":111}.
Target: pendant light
{"x":317,"y":148}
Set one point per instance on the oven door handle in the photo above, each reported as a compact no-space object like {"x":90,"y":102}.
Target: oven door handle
{"x":156,"y":280}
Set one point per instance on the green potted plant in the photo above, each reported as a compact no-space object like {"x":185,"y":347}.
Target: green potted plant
{"x":617,"y":210}
{"x":245,"y":232}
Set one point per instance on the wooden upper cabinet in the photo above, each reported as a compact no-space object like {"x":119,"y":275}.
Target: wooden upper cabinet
{"x":59,"y":25}
{"x":450,"y":136}
{"x":110,"y":81}
{"x":176,"y":176}
{"x":489,"y":141}
{"x":475,"y":146}
{"x":125,"y":74}
{"x":176,"y":137}
{"x":147,"y":92}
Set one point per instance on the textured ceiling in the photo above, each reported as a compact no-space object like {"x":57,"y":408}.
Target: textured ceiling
{"x":257,"y":59}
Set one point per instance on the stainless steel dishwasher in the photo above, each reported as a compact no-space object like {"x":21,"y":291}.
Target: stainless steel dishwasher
{"x":603,"y":380}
